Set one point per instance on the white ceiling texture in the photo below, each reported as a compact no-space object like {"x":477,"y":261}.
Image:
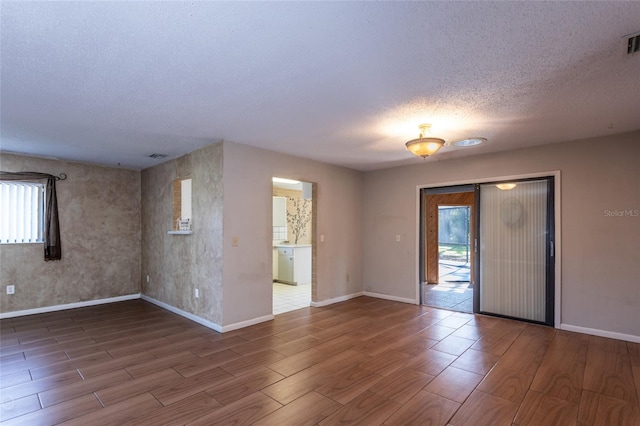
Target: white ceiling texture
{"x":340,"y":82}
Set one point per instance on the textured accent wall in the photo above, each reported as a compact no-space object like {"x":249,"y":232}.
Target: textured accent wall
{"x":178,"y":264}
{"x":100,"y":231}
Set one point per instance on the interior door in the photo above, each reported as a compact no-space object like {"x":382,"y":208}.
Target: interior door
{"x":514,"y":241}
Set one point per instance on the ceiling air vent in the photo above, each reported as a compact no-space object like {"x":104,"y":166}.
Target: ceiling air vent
{"x":632,"y":43}
{"x":158,"y":156}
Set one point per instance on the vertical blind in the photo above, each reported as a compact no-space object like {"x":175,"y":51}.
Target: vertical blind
{"x":21,"y":212}
{"x":513,"y":235}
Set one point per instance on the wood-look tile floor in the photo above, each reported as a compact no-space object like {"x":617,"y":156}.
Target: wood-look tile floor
{"x":365,"y":361}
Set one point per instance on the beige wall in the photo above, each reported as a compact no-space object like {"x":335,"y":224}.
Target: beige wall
{"x":600,"y":254}
{"x":178,"y":264}
{"x":247,"y":215}
{"x":99,"y":211}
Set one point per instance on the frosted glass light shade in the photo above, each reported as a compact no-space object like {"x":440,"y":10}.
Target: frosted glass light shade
{"x":424,"y":147}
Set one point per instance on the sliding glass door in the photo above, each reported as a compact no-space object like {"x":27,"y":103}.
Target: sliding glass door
{"x":515,"y":250}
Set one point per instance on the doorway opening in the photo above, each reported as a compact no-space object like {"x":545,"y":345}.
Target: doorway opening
{"x":448,"y":259}
{"x":293,"y":227}
{"x":454,"y":289}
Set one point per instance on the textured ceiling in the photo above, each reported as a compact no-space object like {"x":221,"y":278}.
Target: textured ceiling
{"x":344,"y":83}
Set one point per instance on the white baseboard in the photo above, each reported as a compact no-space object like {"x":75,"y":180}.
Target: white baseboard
{"x":74,"y":305}
{"x":188,"y":315}
{"x":243,"y":324}
{"x":388,"y":297}
{"x":202,"y":321}
{"x":336,"y":300}
{"x":601,"y":333}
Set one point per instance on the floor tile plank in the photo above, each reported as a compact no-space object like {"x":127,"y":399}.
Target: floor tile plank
{"x":58,"y":413}
{"x":539,"y":409}
{"x":14,"y":378}
{"x":130,"y":388}
{"x":610,"y":373}
{"x":181,"y":412}
{"x":367,"y":409}
{"x":507,"y":384}
{"x":483,"y":409}
{"x":247,"y":363}
{"x":424,"y":409}
{"x":431,"y":362}
{"x":292,"y":347}
{"x":298,"y":362}
{"x":245,"y":411}
{"x":401,"y":385}
{"x":453,"y":345}
{"x":84,"y":387}
{"x":41,"y":385}
{"x":125,"y":412}
{"x":597,"y":409}
{"x":113,"y":364}
{"x":293,"y":387}
{"x":180,"y":389}
{"x":188,"y":364}
{"x":561,"y":373}
{"x":308,"y":410}
{"x":158,"y":364}
{"x":238,"y":387}
{"x":14,"y":407}
{"x":349,"y":384}
{"x":476,"y":361}
{"x":454,"y":384}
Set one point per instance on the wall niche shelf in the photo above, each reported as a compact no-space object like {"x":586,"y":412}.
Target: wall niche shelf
{"x":179,"y":232}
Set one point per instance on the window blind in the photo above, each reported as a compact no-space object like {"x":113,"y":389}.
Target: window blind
{"x":21,"y":212}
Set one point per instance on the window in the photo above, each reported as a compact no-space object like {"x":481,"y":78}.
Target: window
{"x":21,"y":212}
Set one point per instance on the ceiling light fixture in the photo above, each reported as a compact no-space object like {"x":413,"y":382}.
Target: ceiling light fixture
{"x":424,"y":146}
{"x":469,"y":142}
{"x":506,"y":186}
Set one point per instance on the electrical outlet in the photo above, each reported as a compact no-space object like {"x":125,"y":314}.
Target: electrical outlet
{"x":197,"y":293}
{"x":398,"y":238}
{"x":148,"y":278}
{"x":322,"y":238}
{"x":11,"y":289}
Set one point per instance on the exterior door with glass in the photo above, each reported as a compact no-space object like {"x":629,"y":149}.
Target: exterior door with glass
{"x":515,"y":244}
